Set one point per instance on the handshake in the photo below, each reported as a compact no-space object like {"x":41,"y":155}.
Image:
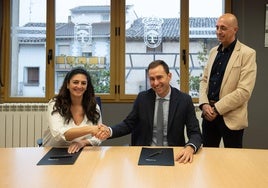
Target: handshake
{"x":101,"y":132}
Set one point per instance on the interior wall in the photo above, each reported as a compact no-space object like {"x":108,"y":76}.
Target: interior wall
{"x":114,"y":113}
{"x":251,"y":17}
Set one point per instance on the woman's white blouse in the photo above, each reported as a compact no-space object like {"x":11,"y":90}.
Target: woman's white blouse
{"x":54,"y":135}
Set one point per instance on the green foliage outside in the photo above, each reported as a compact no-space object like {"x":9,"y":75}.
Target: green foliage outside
{"x":202,"y":57}
{"x":100,"y":78}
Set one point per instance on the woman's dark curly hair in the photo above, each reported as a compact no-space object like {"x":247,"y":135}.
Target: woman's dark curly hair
{"x":63,"y":99}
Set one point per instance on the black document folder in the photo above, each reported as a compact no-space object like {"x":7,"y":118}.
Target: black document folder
{"x":59,"y":156}
{"x":156,"y":156}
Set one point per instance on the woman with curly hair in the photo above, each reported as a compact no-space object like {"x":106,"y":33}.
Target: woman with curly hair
{"x":73,"y":114}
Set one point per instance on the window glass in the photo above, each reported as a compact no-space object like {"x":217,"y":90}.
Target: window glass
{"x":83,"y":39}
{"x":202,"y":37}
{"x":152,"y":32}
{"x":28,"y":41}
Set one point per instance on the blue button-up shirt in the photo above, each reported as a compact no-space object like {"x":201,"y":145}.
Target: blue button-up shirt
{"x":218,"y":69}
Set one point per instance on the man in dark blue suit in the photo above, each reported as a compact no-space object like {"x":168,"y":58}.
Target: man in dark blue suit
{"x":178,"y":113}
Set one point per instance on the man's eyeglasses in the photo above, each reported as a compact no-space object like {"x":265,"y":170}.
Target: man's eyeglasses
{"x":222,"y":28}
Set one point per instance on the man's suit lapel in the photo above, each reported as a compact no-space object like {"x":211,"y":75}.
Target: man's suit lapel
{"x":151,"y":100}
{"x":231,"y":62}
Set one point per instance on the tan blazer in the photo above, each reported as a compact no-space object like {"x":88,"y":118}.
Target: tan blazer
{"x":236,"y":88}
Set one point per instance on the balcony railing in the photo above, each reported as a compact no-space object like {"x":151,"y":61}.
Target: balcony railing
{"x":172,"y":59}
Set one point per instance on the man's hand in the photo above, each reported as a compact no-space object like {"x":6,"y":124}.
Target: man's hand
{"x":208,"y":112}
{"x":103,"y":132}
{"x":185,"y":155}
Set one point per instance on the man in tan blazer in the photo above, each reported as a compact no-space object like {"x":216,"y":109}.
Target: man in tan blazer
{"x":226,"y":87}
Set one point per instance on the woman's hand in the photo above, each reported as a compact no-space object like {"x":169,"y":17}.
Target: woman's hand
{"x":76,"y":146}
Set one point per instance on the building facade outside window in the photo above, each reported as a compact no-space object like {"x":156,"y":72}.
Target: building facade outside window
{"x":86,"y":34}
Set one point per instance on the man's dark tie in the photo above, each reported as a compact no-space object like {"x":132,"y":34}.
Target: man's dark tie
{"x":160,"y":123}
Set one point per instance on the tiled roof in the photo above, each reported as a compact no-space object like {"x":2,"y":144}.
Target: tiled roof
{"x":66,"y":30}
{"x":98,"y":29}
{"x":101,"y":29}
{"x":37,"y":24}
{"x":34,"y":32}
{"x":199,"y":28}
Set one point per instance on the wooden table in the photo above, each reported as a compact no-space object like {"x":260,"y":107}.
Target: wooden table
{"x":108,"y":167}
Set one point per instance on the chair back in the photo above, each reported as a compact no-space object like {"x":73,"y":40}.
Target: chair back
{"x":98,"y":100}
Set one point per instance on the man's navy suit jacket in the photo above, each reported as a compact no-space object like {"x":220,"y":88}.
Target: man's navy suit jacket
{"x":140,"y":120}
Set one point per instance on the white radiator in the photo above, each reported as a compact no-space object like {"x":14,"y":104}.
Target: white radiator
{"x":21,"y":124}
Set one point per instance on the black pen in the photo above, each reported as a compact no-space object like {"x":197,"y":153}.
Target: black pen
{"x":60,"y":156}
{"x":156,"y":153}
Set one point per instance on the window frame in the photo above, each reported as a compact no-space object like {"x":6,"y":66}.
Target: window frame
{"x":117,"y":55}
